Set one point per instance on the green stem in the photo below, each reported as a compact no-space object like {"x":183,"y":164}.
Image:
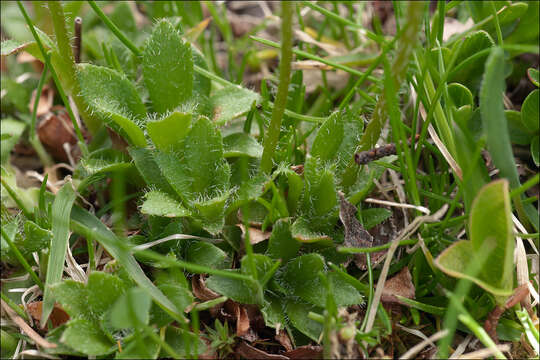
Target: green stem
{"x":34,"y":140}
{"x":21,"y":259}
{"x":46,"y":58}
{"x":14,"y":306}
{"x":18,"y":201}
{"x":497,"y":25}
{"x":115,"y":29}
{"x":316,"y":58}
{"x":272,"y":135}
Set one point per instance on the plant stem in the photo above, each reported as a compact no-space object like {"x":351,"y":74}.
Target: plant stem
{"x":272,"y":135}
{"x":115,"y":29}
{"x":46,"y":58}
{"x":34,"y":140}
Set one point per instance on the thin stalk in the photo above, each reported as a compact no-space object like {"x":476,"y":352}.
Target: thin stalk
{"x":344,"y":21}
{"x":59,"y":87}
{"x":115,"y":29}
{"x":18,"y":201}
{"x":315,"y":57}
{"x":497,"y":25}
{"x":272,"y":134}
{"x":34,"y":140}
{"x":21,"y":259}
{"x":14,"y":306}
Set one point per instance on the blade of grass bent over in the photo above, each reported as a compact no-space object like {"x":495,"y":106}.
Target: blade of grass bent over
{"x":61,"y":209}
{"x":88,"y":225}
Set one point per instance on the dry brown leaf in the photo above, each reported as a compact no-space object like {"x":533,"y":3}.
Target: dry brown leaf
{"x":401,"y":284}
{"x":200,"y":290}
{"x":57,"y":317}
{"x":55,"y":130}
{"x":45,"y":101}
{"x":283,"y":338}
{"x":255,"y":235}
{"x":249,"y":352}
{"x":355,"y":234}
{"x":309,"y":65}
{"x":305,"y":352}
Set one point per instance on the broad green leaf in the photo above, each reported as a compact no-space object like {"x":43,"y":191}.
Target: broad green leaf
{"x":16,"y":96}
{"x":89,"y":226}
{"x":241,"y":144}
{"x":139,"y":348}
{"x":167,"y":68}
{"x":98,"y":166}
{"x":281,"y":244}
{"x":206,"y":254}
{"x":535,"y":150}
{"x":297,"y":313}
{"x":374,"y":216}
{"x":491,"y":234}
{"x":176,"y":174}
{"x":231,"y":102}
{"x":14,"y":129}
{"x":211,"y":212}
{"x":73,"y":297}
{"x":103,"y":290}
{"x":123,"y":17}
{"x":263,"y":265}
{"x":107,"y":91}
{"x":131,"y":310}
{"x":201,"y":84}
{"x":160,"y":204}
{"x":460,"y":95}
{"x":529,"y":111}
{"x":113,"y":99}
{"x":242,"y":291}
{"x":519,"y":133}
{"x":36,"y":238}
{"x":495,"y":125}
{"x":273,"y":311}
{"x":86,"y":336}
{"x":533,"y":76}
{"x":471,"y":66}
{"x":526,"y":30}
{"x":169,"y":132}
{"x":11,"y":46}
{"x":61,"y":209}
{"x":149,"y":169}
{"x":337,"y":138}
{"x":301,"y":278}
{"x":302,"y":231}
{"x":177,"y":337}
{"x":128,"y":129}
{"x":328,"y":139}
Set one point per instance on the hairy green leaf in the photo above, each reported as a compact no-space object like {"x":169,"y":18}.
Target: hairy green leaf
{"x":167,"y":68}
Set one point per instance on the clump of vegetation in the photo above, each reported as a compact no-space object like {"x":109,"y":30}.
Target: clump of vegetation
{"x":181,"y":179}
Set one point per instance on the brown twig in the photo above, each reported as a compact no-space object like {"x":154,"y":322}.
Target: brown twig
{"x":78,"y":38}
{"x":368,"y":156}
{"x":26,"y":328}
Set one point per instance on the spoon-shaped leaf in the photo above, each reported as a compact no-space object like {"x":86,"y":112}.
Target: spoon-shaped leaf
{"x":490,"y":229}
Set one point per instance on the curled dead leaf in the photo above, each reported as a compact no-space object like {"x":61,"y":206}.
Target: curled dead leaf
{"x":45,"y":101}
{"x":57,"y":317}
{"x":305,"y":352}
{"x":247,"y":351}
{"x":255,"y":235}
{"x":283,"y":338}
{"x":200,"y":290}
{"x":401,"y":284}
{"x":54,"y":130}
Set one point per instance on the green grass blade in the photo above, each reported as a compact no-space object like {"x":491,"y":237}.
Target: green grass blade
{"x":495,"y":125}
{"x":60,"y":228}
{"x":88,"y":225}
